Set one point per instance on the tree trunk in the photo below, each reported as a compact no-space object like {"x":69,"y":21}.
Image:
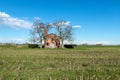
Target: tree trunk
{"x":40,"y":43}
{"x":62,"y":45}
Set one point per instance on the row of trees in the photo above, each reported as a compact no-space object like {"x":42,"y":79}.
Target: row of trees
{"x":62,"y":29}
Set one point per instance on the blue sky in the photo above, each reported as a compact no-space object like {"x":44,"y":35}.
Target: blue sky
{"x":98,"y":20}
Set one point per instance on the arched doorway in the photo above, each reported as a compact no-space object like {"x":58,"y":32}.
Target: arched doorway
{"x":52,"y":45}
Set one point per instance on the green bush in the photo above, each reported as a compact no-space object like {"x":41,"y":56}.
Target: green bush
{"x":70,"y":45}
{"x":33,"y":45}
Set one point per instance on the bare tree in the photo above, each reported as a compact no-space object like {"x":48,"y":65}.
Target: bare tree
{"x":33,"y":38}
{"x":37,"y":31}
{"x":64,"y":30}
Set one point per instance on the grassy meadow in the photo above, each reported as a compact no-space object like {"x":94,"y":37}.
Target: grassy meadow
{"x":81,"y":63}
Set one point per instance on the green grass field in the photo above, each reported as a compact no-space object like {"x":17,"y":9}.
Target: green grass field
{"x":81,"y":63}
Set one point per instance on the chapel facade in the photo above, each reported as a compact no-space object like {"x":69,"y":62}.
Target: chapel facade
{"x":51,"y":40}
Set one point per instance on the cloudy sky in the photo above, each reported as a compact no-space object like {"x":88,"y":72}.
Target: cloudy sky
{"x":94,"y":21}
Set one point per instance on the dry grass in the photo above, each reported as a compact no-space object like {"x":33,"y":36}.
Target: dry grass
{"x":91,"y":63}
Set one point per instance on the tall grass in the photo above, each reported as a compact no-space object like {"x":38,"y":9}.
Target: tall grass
{"x":82,"y":63}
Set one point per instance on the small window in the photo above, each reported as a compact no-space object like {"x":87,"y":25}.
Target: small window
{"x":52,"y":39}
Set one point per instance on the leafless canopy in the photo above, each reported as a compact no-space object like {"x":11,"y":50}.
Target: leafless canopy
{"x":38,"y":30}
{"x":64,"y":31}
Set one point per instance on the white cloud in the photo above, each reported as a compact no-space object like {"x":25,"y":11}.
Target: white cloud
{"x":13,"y":40}
{"x":103,"y":42}
{"x":7,"y":20}
{"x":97,"y":42}
{"x":67,"y":23}
{"x":64,"y":23}
{"x":37,"y":18}
{"x":76,"y":26}
{"x":88,"y":42}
